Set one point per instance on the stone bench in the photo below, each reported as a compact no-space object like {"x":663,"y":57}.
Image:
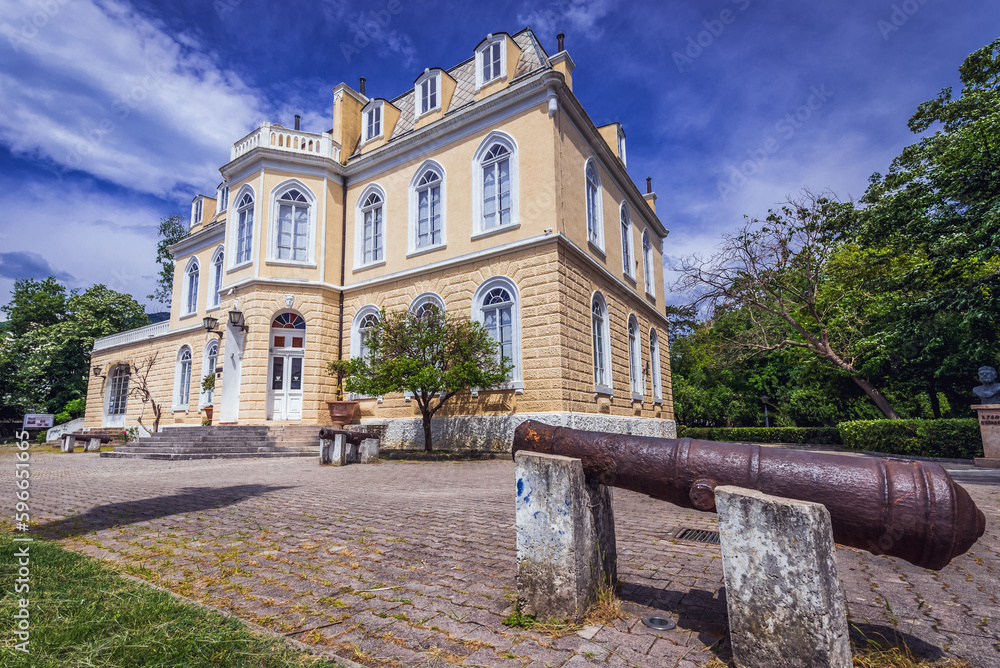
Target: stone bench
{"x":92,"y":442}
{"x":340,"y":448}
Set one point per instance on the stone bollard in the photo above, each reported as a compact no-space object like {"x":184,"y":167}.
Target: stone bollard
{"x":565,"y":536}
{"x":93,"y":445}
{"x":368,"y":451}
{"x":332,"y":450}
{"x":786,"y":607}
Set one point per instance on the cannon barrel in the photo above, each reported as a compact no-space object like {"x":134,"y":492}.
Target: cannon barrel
{"x":908,"y":509}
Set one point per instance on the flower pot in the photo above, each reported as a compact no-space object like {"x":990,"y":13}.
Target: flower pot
{"x":208,"y":413}
{"x":342,"y":412}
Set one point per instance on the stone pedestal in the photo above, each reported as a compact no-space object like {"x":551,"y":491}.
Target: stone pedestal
{"x":68,"y":443}
{"x":786,"y":607}
{"x":368,"y":451}
{"x":93,"y":445}
{"x":565,"y":536}
{"x":989,"y":427}
{"x":332,"y":450}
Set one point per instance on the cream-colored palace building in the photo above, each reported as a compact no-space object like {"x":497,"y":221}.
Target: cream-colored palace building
{"x":485,"y":189}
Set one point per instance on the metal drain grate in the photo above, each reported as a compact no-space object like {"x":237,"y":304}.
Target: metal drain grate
{"x":699,"y":536}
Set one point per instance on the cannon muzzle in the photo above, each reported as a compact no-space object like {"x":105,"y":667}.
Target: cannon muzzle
{"x":908,"y":509}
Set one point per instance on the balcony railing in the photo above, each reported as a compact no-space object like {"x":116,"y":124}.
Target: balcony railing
{"x":283,"y":139}
{"x":133,"y":335}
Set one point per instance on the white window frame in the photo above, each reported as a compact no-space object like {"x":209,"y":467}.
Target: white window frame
{"x":359,"y":227}
{"x":218,"y":276}
{"x":369,"y":133}
{"x":654,"y":366}
{"x":594,"y":205}
{"x":206,"y":397}
{"x":602,"y":329}
{"x":427,"y":298}
{"x":182,"y":389}
{"x":235,"y":259}
{"x":275,"y":207}
{"x":481,"y":53}
{"x":516,"y":382}
{"x":414,"y":209}
{"x":621,"y":145}
{"x":478,"y":229}
{"x":197,"y":209}
{"x":649,"y":276}
{"x":115,"y":378}
{"x":222,"y":197}
{"x":637,"y":380}
{"x":357,"y":340}
{"x":190,"y":286}
{"x":429,"y":79}
{"x":628,"y":249}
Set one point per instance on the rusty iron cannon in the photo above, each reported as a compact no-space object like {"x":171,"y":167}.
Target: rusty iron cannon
{"x":907,"y":509}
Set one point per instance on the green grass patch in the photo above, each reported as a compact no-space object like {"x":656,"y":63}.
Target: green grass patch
{"x":84,"y":613}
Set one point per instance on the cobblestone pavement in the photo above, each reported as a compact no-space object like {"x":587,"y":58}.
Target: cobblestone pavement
{"x":414,"y":563}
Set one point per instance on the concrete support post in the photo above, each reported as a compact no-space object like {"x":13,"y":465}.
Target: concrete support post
{"x":565,"y":536}
{"x":786,"y":607}
{"x":332,"y":450}
{"x":68,"y":442}
{"x":368,"y":451}
{"x":93,"y":445}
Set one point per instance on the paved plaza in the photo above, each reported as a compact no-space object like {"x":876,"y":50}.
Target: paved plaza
{"x":406,"y":563}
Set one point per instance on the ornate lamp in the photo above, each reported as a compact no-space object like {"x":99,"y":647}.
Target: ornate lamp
{"x":237,"y":321}
{"x":210,"y":323}
{"x":97,"y":371}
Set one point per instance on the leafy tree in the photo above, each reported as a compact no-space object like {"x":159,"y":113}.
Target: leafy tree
{"x":172,"y":229}
{"x":775,"y":270}
{"x":431,"y":355}
{"x":938,"y":209}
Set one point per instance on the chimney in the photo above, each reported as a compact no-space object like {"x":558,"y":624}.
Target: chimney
{"x":362,"y":91}
{"x":649,"y":179}
{"x":298,"y":119}
{"x":650,"y":196}
{"x":561,"y":41}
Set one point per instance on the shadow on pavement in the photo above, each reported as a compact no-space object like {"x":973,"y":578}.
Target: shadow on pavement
{"x":190,"y":499}
{"x":698,"y":610}
{"x":886,"y":636}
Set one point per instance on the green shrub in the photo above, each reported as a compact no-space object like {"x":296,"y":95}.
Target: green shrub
{"x":815,"y":435}
{"x":955,"y":439}
{"x":60,"y":418}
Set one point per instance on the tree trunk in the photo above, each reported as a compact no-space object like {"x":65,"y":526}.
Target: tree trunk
{"x":876,"y":396}
{"x":935,"y":401}
{"x":427,"y":430}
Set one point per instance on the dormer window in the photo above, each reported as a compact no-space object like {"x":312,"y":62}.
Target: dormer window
{"x":490,"y":61}
{"x":621,"y":145}
{"x":428,"y":92}
{"x":196,"y":210}
{"x":223,"y":197}
{"x":373,"y":121}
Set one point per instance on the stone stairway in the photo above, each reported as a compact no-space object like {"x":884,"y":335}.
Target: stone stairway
{"x":228,"y":442}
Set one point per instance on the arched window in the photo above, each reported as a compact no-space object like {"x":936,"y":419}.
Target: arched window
{"x":290,"y":236}
{"x":427,"y":207}
{"x":595,"y":221}
{"x":118,"y":390}
{"x":627,"y":254}
{"x":190,"y":296}
{"x":635,"y":358}
{"x":208,"y":364}
{"x":182,"y":379}
{"x":425,"y":301}
{"x":244,"y":228}
{"x":495,"y":198}
{"x":215,"y":299}
{"x":497,"y":306}
{"x":647,"y":264}
{"x":364,"y":320}
{"x":602,"y":350}
{"x":654,"y":357}
{"x":371,"y":226}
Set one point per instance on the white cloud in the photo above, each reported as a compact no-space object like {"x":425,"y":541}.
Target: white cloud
{"x":97,"y":87}
{"x":573,"y":17}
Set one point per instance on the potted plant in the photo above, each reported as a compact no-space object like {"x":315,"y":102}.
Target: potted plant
{"x":341,"y":411}
{"x":208,"y":385}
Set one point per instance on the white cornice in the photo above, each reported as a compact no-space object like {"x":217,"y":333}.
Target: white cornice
{"x":199,"y":240}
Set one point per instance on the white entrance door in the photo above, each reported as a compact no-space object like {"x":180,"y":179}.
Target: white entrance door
{"x":116,"y":399}
{"x":286,"y":387}
{"x":232,"y":375}
{"x":285,"y":365}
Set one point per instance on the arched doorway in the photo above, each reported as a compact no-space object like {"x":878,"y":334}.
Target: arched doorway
{"x":287,"y":353}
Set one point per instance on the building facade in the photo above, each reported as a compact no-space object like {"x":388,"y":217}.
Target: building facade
{"x":486,"y":190}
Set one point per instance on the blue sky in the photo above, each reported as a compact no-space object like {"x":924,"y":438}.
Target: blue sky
{"x":114,"y":114}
